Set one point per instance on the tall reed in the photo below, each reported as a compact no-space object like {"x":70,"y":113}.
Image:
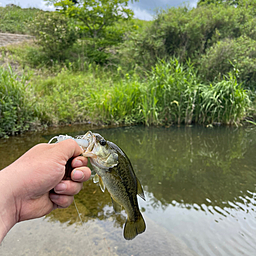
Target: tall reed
{"x":171,"y":94}
{"x":223,"y":102}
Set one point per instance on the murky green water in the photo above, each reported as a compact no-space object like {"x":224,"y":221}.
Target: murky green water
{"x":199,"y":185}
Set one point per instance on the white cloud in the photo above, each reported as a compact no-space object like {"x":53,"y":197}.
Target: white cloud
{"x":142,"y":14}
{"x":45,"y":7}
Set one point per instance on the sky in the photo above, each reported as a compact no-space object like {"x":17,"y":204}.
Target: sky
{"x":144,"y":9}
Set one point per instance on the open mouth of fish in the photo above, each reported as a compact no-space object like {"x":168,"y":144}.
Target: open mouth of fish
{"x":87,"y":142}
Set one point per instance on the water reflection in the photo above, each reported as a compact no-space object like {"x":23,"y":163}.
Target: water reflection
{"x":91,"y":204}
{"x":191,"y":165}
{"x":199,"y":184}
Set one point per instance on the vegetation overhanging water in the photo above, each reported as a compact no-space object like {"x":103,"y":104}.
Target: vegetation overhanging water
{"x":132,"y":72}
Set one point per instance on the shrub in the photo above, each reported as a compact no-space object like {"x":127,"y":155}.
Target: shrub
{"x":55,"y":33}
{"x":187,"y":33}
{"x":238,"y":55}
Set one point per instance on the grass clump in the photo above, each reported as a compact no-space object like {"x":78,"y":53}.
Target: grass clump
{"x":18,"y":110}
{"x":223,"y":102}
{"x":170,"y":94}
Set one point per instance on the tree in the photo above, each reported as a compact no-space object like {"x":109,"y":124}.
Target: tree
{"x":227,"y":2}
{"x":97,"y":19}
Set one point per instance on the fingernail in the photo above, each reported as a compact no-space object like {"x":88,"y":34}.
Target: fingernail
{"x":61,"y":187}
{"x":77,"y":163}
{"x":77,"y":175}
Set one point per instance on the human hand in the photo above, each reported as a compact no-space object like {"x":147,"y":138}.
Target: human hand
{"x":30,"y":179}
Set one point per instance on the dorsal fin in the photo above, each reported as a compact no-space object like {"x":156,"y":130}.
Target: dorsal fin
{"x":140,"y":191}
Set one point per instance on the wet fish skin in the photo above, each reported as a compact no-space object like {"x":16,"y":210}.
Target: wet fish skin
{"x":122,"y":184}
{"x":114,"y":171}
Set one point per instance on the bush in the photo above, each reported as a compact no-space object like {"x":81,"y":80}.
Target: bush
{"x":17,"y":109}
{"x":187,"y":33}
{"x":238,"y":55}
{"x":55,"y":33}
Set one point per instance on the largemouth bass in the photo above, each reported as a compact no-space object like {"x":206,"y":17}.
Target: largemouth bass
{"x":114,"y":171}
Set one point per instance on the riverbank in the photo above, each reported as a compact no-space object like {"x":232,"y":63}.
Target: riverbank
{"x":40,"y":89}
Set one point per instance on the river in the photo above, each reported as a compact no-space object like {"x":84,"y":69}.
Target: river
{"x":200,"y":196}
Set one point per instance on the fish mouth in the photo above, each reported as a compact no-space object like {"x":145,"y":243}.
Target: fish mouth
{"x":90,"y":138}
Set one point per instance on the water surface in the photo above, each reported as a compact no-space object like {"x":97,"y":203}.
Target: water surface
{"x":199,"y":185}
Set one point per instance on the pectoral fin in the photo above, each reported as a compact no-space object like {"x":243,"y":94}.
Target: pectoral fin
{"x":97,"y":179}
{"x":140,"y":191}
{"x":117,"y":207}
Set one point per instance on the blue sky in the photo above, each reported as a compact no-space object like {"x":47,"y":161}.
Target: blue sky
{"x":144,"y":9}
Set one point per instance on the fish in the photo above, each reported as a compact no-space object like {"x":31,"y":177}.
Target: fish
{"x":114,"y":171}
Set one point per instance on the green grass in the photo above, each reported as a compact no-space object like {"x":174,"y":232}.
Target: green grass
{"x":47,"y":90}
{"x":170,"y":94}
{"x":18,"y":108}
{"x":15,"y":19}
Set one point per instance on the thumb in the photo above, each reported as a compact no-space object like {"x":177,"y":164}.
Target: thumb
{"x":69,"y":148}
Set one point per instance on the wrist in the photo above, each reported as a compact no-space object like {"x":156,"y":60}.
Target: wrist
{"x":8,"y":215}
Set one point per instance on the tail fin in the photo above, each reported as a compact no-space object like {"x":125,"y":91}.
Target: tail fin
{"x":132,"y":229}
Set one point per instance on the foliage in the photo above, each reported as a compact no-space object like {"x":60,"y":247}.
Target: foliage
{"x":14,"y":19}
{"x":18,"y":110}
{"x":238,"y":55}
{"x":55,"y":33}
{"x":223,"y":102}
{"x":236,"y":3}
{"x":67,"y":85}
{"x":67,"y":96}
{"x":171,"y":95}
{"x":97,"y":21}
{"x":175,"y":95}
{"x":119,"y":103}
{"x":186,"y":33}
{"x":218,"y":2}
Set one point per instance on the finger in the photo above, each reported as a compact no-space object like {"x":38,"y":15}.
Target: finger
{"x":68,"y":187}
{"x":69,"y":147}
{"x":63,"y":201}
{"x":79,"y":161}
{"x":81,"y":174}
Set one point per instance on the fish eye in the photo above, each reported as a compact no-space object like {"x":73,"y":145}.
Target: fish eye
{"x":103,"y":142}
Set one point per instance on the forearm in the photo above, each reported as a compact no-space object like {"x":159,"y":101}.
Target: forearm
{"x":7,"y":205}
